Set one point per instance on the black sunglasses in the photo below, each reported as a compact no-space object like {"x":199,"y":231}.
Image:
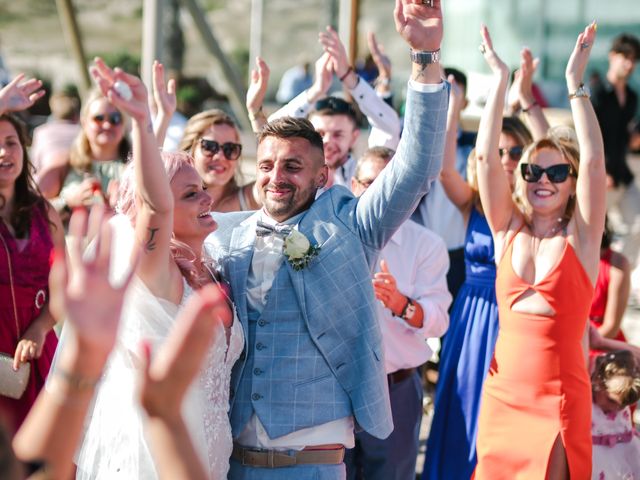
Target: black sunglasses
{"x":231,"y":151}
{"x":515,"y":153}
{"x":114,"y":118}
{"x":555,"y":173}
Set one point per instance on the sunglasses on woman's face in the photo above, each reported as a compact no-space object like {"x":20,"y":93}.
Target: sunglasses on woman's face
{"x":230,"y":150}
{"x":114,"y":118}
{"x":515,"y":153}
{"x":555,"y":173}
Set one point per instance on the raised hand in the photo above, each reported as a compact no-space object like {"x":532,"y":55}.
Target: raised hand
{"x":332,"y":45}
{"x":258,"y":86}
{"x":580,"y":57}
{"x":419,"y":24}
{"x":106,"y":79}
{"x":495,"y":63}
{"x":164,"y":93}
{"x":19,"y":95}
{"x":528,"y":67}
{"x":168,"y":376}
{"x":386,"y":290}
{"x":85,"y":296}
{"x":382,"y":61}
{"x":323,"y":78}
{"x":456,"y":96}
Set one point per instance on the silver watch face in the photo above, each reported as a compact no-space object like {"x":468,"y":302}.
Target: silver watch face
{"x":425,"y":58}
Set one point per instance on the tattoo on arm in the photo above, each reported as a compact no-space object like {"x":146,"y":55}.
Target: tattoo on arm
{"x":420,"y":73}
{"x":151,"y":243}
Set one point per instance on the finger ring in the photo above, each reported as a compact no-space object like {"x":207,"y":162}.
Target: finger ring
{"x":584,"y":45}
{"x":428,"y":3}
{"x":482,"y":48}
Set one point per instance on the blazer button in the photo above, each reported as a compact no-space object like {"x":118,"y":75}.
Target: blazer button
{"x":256,"y":396}
{"x":262,"y":323}
{"x":260,"y":346}
{"x":257,"y":371}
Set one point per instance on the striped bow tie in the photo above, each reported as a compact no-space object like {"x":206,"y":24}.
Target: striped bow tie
{"x":264,"y":229}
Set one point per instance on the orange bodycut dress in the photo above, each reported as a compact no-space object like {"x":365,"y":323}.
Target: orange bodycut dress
{"x":537,"y":387}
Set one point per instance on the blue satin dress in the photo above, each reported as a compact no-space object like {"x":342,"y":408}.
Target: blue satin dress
{"x":464,"y":361}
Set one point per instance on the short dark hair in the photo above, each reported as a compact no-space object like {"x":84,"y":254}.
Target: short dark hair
{"x":290,"y":127}
{"x":458,"y":76}
{"x":335,"y":106}
{"x":626,"y":44}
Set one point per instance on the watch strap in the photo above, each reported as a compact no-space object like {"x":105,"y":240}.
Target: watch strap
{"x":423,"y":57}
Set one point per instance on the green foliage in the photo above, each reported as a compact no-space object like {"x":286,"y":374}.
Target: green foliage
{"x":127,"y":61}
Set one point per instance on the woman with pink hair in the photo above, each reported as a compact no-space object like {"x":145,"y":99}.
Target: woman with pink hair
{"x":166,"y":210}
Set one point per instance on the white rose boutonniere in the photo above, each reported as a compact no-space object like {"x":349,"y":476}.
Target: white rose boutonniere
{"x":299,"y":250}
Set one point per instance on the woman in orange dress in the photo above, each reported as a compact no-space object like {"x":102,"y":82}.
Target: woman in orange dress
{"x":535,"y":416}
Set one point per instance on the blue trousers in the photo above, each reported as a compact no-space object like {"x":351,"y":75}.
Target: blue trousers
{"x":299,"y":472}
{"x":393,"y":458}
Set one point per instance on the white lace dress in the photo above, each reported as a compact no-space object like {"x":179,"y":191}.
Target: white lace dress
{"x":114,"y":445}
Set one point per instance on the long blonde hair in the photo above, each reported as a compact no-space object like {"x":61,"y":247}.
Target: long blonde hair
{"x":80,"y":156}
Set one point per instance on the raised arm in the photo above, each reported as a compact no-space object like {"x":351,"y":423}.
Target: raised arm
{"x":495,"y":191}
{"x":19,"y":95}
{"x":82,"y":294}
{"x":391,"y":199}
{"x":591,"y":183}
{"x":384,"y":121}
{"x":383,"y":64}
{"x":255,"y":94}
{"x":154,"y":219}
{"x":533,"y":111}
{"x":457,"y":189}
{"x":301,"y":105}
{"x":163,"y":101}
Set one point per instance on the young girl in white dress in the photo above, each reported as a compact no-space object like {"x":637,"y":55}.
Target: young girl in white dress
{"x":166,"y":210}
{"x":616,"y":444}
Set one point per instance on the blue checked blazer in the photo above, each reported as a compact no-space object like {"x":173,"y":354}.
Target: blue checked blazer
{"x":334,"y":292}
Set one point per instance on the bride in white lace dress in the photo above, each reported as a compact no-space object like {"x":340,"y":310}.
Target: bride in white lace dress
{"x":165,"y":209}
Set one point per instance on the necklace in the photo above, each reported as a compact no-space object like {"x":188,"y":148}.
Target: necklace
{"x":536,"y":241}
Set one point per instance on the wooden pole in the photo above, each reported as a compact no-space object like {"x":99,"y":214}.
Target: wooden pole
{"x":151,"y":38}
{"x":237,"y":91}
{"x":67,"y":16}
{"x":255,"y":42}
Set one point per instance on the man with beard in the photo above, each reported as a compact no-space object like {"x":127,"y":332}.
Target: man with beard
{"x":334,"y":118}
{"x":300,"y":278}
{"x":616,"y":104}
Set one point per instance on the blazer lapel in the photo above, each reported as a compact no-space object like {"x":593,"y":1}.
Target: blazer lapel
{"x":240,"y":256}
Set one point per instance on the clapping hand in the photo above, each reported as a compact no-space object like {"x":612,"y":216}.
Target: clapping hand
{"x":106,"y":79}
{"x":333,"y":46}
{"x":323,"y":78}
{"x":580,"y":57}
{"x":168,"y":375}
{"x":18,"y":95}
{"x":258,"y":86}
{"x":386,"y":290}
{"x":495,"y":63}
{"x":163,"y":101}
{"x":419,"y":23}
{"x":382,"y":61}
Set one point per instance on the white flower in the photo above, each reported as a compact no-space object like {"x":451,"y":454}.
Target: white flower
{"x":296,"y":245}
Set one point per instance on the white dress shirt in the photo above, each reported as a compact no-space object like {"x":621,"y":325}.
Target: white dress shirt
{"x":383,"y":119}
{"x":418,"y":260}
{"x":267,"y":259}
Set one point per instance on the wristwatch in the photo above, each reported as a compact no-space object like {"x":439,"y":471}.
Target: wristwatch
{"x":408,"y":311}
{"x":582,"y":91}
{"x":422,"y":57}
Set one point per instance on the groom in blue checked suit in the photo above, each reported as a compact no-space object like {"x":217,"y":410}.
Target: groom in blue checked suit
{"x":312,"y":370}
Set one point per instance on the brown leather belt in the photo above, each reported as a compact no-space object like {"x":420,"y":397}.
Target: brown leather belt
{"x":400,"y":375}
{"x":256,"y":457}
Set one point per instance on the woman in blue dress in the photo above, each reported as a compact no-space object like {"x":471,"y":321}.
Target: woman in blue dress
{"x":468,"y":347}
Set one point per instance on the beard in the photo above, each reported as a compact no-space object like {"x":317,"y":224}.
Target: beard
{"x":298,"y":201}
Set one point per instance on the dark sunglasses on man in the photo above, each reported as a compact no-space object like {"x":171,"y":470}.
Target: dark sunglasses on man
{"x":231,"y":151}
{"x":555,"y":173}
{"x":114,"y":118}
{"x":515,"y":153}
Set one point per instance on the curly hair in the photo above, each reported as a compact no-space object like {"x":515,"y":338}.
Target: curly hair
{"x":617,"y":373}
{"x":26,"y":196}
{"x":80,"y":152}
